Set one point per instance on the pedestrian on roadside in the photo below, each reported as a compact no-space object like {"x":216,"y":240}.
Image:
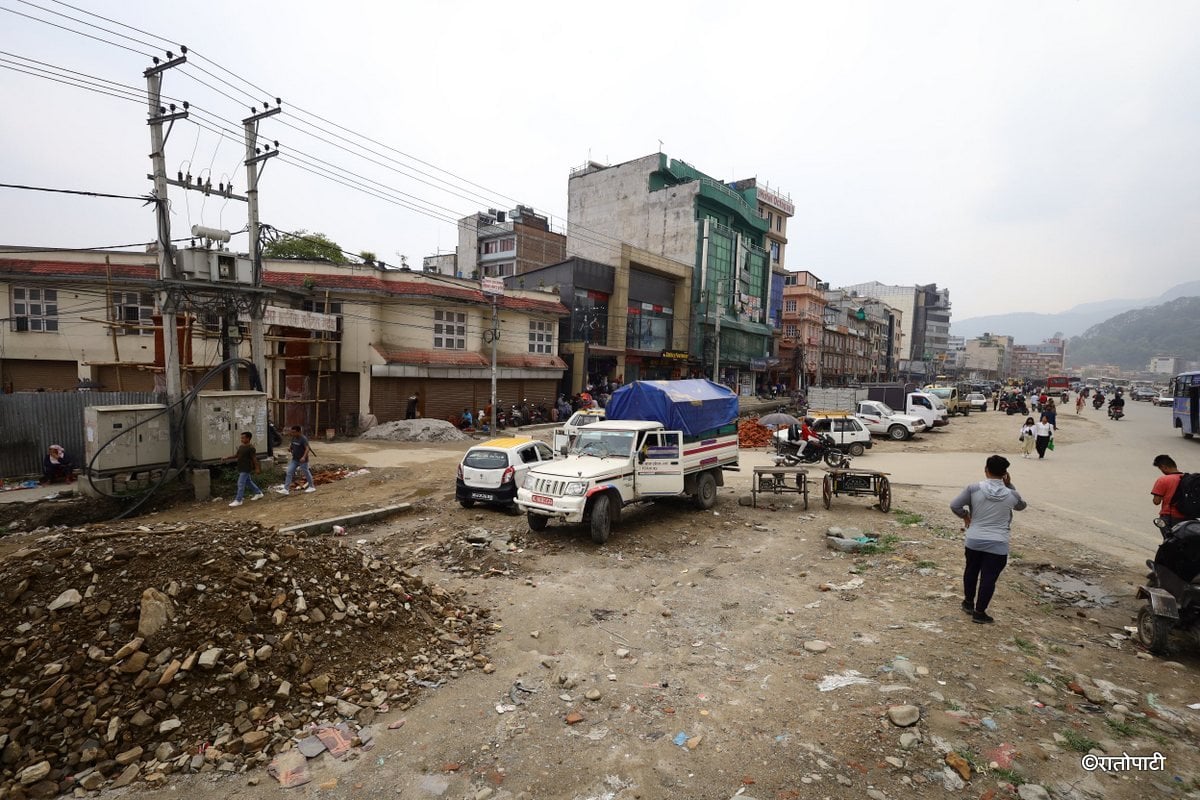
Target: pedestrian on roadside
{"x":1079,"y":403}
{"x":1028,"y":437}
{"x":1163,"y":492}
{"x":1050,"y":411}
{"x":410,"y":410}
{"x":986,"y":510}
{"x":247,"y":465}
{"x":1044,"y":432}
{"x":995,"y":399}
{"x":299,"y":451}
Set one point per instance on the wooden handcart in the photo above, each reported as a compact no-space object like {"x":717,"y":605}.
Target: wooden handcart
{"x":777,"y":480}
{"x":857,"y":483}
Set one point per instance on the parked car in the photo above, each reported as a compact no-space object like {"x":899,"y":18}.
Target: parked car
{"x":977,"y":401}
{"x":491,"y":472}
{"x":1143,"y":393}
{"x":847,"y":432}
{"x":1164,"y":399}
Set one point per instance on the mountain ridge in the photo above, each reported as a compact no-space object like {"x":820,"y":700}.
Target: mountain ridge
{"x":1129,"y":340}
{"x":1031,"y":327}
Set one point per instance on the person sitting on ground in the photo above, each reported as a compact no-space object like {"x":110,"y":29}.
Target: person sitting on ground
{"x":55,"y":466}
{"x":467,"y":420}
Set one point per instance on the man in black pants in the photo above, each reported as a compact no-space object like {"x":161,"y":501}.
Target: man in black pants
{"x":986,"y":510}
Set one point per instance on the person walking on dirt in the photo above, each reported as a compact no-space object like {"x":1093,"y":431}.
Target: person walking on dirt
{"x":1163,"y":492}
{"x":1028,"y":437}
{"x":300,"y":452}
{"x":1044,"y":432}
{"x":247,"y":464}
{"x":1079,"y":403}
{"x":1050,"y":411}
{"x":986,"y":510}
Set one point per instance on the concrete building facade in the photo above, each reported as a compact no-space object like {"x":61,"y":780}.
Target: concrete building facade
{"x":668,"y":208}
{"x":500,"y":244}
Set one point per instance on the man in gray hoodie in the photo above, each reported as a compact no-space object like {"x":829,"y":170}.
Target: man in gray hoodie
{"x":986,"y":509}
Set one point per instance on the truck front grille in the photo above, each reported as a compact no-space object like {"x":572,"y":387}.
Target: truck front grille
{"x":549,"y":486}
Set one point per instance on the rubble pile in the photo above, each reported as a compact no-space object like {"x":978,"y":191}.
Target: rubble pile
{"x":416,"y":430}
{"x":131,"y":654}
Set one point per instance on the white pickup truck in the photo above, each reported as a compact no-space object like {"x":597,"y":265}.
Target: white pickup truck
{"x":615,"y":463}
{"x":881,"y":420}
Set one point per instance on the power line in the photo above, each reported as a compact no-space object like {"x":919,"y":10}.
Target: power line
{"x":72,"y":30}
{"x":143,"y":198}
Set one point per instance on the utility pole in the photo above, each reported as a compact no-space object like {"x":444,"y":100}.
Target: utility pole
{"x":495,"y":336}
{"x":258,"y":344}
{"x":166,"y":263}
{"x":717,"y":350}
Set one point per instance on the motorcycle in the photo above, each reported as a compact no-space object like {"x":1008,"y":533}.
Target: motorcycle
{"x":1116,"y":412}
{"x":824,"y":448}
{"x":1172,"y":589}
{"x":1098,"y":402}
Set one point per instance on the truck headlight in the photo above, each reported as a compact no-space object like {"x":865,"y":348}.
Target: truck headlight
{"x":575,"y":489}
{"x":528,"y":482}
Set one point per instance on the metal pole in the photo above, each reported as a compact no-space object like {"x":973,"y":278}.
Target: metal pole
{"x":717,"y":348}
{"x":258,"y":306}
{"x":495,"y":336}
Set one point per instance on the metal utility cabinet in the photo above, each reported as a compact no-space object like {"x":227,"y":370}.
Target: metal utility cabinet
{"x":147,"y":446}
{"x":216,"y":420}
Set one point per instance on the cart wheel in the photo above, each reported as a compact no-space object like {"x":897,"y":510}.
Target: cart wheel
{"x":802,"y":488}
{"x":885,"y":495}
{"x":1153,"y":630}
{"x":827,"y":491}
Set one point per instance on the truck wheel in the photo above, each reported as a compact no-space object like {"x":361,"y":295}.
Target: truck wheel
{"x":1153,"y":630}
{"x":601,"y":519}
{"x":537,"y":522}
{"x":706,"y":491}
{"x":897,"y":433}
{"x":966,"y":412}
{"x":857,"y":449}
{"x":466,"y":503}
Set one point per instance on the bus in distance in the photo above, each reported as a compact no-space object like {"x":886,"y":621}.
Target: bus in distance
{"x":1185,"y":411}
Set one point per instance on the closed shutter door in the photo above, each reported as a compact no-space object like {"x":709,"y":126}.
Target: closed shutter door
{"x":508,"y":393}
{"x":124,"y":379}
{"x":446,"y":398}
{"x":541,"y":391}
{"x":345,"y":400}
{"x":389,"y":396}
{"x":29,"y":375}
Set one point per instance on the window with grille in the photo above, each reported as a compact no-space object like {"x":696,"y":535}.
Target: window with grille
{"x":789,"y":306}
{"x":136,"y":311}
{"x":34,"y":309}
{"x":449,"y":330}
{"x":541,"y":337}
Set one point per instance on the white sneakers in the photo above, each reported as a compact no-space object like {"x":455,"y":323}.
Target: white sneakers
{"x":284,"y":491}
{"x":235,"y":504}
{"x":310,"y":490}
{"x":254,"y":497}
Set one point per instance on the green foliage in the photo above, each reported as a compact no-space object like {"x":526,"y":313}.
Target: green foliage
{"x":1129,"y":340}
{"x":886,"y":544}
{"x":305,"y":246}
{"x":367,"y":257}
{"x":907,"y":517}
{"x":1078,"y":742}
{"x":1010,"y":776}
{"x":1025,"y":646}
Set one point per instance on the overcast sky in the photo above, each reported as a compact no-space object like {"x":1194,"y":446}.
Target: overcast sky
{"x":1027,"y":155}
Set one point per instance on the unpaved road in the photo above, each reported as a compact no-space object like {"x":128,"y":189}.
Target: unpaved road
{"x":692,"y":627}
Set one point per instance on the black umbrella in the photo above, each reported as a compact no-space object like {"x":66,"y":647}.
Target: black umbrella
{"x":778,"y":420}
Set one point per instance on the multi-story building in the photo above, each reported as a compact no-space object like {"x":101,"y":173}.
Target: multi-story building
{"x":91,"y":319}
{"x":441,"y":264}
{"x":668,"y":208}
{"x":803,"y":320}
{"x":989,"y":357}
{"x":1039,"y":361}
{"x":925,"y":316}
{"x":500,"y":244}
{"x":1165,"y":365}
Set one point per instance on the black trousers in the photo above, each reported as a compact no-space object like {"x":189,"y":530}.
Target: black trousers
{"x":1041,"y":443}
{"x":981,"y":571}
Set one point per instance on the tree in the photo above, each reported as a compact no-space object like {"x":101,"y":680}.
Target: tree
{"x":367,"y":257}
{"x":305,"y":246}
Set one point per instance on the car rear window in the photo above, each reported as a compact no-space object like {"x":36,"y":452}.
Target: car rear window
{"x":486,"y":459}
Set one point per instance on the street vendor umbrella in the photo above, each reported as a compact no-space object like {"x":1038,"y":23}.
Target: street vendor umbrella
{"x":778,"y":420}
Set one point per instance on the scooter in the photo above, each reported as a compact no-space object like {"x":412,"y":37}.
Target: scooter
{"x":1098,"y":402}
{"x":1116,"y":412}
{"x":825,"y":449}
{"x":1172,"y":589}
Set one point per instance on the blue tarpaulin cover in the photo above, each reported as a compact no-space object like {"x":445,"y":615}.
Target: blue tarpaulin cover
{"x":691,"y":406}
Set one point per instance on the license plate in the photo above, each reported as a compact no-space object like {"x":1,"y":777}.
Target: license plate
{"x":480,"y":496}
{"x":543,"y":500}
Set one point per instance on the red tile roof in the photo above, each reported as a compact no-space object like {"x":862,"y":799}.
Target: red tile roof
{"x":431,"y":358}
{"x":531,"y":362}
{"x":75,"y":269}
{"x":292,"y":280}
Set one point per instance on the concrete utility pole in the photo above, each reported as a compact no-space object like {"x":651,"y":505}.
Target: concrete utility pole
{"x":258,"y":344}
{"x":495,"y":336}
{"x":166,"y":262}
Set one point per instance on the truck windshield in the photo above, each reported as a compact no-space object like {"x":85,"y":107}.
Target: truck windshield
{"x":885,"y":408}
{"x":942,"y":393}
{"x":603,"y":443}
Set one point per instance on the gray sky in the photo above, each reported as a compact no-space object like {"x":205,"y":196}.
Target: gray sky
{"x":1029,"y":156}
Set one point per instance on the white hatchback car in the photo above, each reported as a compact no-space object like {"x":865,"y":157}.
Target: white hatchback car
{"x":491,"y":472}
{"x":977,"y":401}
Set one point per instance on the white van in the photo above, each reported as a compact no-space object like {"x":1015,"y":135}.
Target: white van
{"x":566,"y":434}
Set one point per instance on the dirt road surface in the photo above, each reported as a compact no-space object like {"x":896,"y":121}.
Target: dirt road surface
{"x":732,"y":653}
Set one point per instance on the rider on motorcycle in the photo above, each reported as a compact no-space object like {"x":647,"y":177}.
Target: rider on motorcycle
{"x":802,"y":435}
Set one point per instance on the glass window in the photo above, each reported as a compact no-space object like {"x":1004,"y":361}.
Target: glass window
{"x":647,"y":329}
{"x":774,"y":252}
{"x":449,"y":330}
{"x":541,"y":337}
{"x":34,"y":309}
{"x":589,"y":317}
{"x":486,"y":459}
{"x":136,"y":310}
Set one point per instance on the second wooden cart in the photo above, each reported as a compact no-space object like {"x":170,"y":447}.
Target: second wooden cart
{"x":857,"y":483}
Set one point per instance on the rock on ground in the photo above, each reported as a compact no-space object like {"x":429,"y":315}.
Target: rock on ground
{"x":416,"y":430}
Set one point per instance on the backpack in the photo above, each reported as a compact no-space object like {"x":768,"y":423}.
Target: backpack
{"x":1187,"y":496}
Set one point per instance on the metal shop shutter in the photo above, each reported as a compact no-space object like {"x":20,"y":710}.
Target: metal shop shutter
{"x":29,"y":375}
{"x":445,"y":398}
{"x":113,"y":378}
{"x":389,"y":396}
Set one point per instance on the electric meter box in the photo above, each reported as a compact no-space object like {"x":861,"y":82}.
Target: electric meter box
{"x":215,"y":422}
{"x":146,"y":446}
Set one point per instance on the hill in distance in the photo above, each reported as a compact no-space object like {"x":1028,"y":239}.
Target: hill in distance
{"x":1131,"y":339}
{"x":1027,"y":327}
